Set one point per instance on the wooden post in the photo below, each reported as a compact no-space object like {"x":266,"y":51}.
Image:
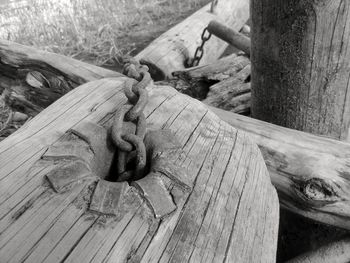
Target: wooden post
{"x":301,"y":65}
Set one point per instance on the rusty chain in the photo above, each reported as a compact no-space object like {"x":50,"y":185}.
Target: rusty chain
{"x":129,"y":126}
{"x":200,"y":49}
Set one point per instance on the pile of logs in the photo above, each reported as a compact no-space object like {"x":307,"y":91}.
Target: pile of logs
{"x":309,"y":172}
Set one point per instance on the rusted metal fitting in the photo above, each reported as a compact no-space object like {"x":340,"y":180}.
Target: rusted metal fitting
{"x":138,"y":108}
{"x":118,"y":129}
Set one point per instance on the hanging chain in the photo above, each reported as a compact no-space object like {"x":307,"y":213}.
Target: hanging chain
{"x":129,"y":126}
{"x":200,"y":49}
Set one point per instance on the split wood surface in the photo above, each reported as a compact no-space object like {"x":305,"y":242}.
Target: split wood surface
{"x":230,"y":213}
{"x":171,"y":50}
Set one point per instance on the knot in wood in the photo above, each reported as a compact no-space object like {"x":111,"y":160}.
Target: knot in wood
{"x":318,"y":192}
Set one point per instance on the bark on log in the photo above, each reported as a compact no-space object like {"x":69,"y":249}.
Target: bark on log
{"x":336,"y":252}
{"x":301,"y":65}
{"x":232,"y":37}
{"x":311,"y":173}
{"x":226,"y":208}
{"x":171,"y":50}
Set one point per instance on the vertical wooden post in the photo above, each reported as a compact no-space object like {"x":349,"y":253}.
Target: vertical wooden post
{"x":301,"y":64}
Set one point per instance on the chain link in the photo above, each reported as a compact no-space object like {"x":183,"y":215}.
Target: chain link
{"x":129,"y":125}
{"x":206,"y":35}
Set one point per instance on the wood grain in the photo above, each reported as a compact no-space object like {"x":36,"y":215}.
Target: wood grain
{"x":310,"y":173}
{"x":301,"y":65}
{"x":229,"y":215}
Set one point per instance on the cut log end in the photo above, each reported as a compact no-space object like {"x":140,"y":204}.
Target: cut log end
{"x":142,"y":223}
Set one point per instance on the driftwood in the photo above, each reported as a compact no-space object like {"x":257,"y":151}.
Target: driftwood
{"x":171,"y":51}
{"x":223,"y":206}
{"x":311,"y":173}
{"x":336,"y":252}
{"x":231,"y":36}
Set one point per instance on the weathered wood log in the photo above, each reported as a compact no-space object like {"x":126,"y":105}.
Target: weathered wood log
{"x":218,"y":70}
{"x":336,"y":252}
{"x":224,"y":208}
{"x":232,"y":37}
{"x":197,"y":81}
{"x":34,"y":79}
{"x":171,"y":50}
{"x":323,"y":156}
{"x":232,"y":94}
{"x":301,"y":65}
{"x":311,"y":173}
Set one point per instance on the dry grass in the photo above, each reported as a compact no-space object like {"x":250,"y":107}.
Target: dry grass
{"x":91,"y":30}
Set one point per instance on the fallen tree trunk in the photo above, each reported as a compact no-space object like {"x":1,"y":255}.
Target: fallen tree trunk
{"x":223,"y":207}
{"x":171,"y":50}
{"x":311,"y":173}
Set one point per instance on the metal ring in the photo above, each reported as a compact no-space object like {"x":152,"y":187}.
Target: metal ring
{"x":137,"y":109}
{"x":121,"y":161}
{"x":141,"y":126}
{"x":117,"y":129}
{"x":132,"y":97}
{"x":204,"y":38}
{"x":200,"y":51}
{"x":140,"y":154}
{"x":144,"y":82}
